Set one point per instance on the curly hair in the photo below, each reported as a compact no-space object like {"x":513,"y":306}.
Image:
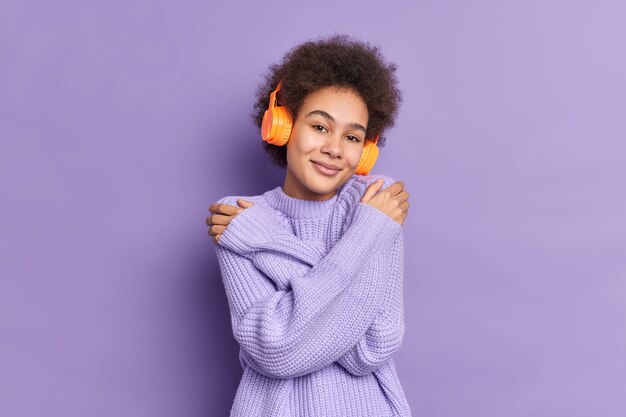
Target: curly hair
{"x":338,"y":61}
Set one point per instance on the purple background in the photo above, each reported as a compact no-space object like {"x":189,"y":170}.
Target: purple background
{"x":122,"y":121}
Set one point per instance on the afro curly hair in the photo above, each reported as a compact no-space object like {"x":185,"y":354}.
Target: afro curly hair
{"x":338,"y":61}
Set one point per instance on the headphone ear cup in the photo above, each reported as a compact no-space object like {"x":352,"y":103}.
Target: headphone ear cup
{"x":276,"y":126}
{"x":368,"y":158}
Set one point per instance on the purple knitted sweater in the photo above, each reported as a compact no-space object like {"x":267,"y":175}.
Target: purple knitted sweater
{"x":315,"y":295}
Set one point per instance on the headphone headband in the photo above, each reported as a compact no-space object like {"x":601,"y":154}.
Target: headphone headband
{"x":273,"y":99}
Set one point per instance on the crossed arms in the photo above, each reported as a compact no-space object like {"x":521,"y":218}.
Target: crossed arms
{"x":296,"y":309}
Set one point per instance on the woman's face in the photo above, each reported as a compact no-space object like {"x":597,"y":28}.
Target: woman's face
{"x":328,"y":130}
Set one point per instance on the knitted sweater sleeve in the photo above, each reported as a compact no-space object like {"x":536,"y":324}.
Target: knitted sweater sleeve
{"x":384,"y":337}
{"x":283,"y":255}
{"x":324,"y":313}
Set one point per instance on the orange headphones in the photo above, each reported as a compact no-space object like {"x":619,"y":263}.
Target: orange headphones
{"x":276,"y":129}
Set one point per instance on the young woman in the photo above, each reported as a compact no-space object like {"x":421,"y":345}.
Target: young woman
{"x":313,"y":270}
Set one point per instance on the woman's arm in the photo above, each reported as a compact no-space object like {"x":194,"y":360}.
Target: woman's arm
{"x":260,"y":235}
{"x":281,"y":256}
{"x":325,"y":312}
{"x":384,"y":337}
{"x":278,"y":253}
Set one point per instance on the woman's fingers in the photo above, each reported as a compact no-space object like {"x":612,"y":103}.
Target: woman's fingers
{"x":216,"y":230}
{"x":218,"y":219}
{"x":372,"y":189}
{"x":245,"y":203}
{"x":227,"y":209}
{"x":222,"y":215}
{"x":395,"y":188}
{"x":402,"y":196}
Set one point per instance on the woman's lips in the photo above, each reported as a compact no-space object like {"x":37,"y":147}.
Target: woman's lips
{"x":329,"y":172}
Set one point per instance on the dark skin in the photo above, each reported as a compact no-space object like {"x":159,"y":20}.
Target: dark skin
{"x":392,"y":201}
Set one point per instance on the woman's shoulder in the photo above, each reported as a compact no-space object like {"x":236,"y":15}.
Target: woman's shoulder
{"x":357,"y":184}
{"x":232,"y":199}
{"x":369,"y":179}
{"x":261,"y":210}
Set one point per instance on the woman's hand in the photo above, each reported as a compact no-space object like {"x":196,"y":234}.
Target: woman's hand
{"x":393,"y":200}
{"x":222,"y":215}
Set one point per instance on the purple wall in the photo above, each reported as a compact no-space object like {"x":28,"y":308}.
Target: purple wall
{"x":120,"y":122}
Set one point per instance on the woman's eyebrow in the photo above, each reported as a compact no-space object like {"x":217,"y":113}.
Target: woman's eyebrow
{"x":325,"y":115}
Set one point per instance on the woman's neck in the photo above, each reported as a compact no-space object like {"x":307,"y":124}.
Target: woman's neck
{"x":294,"y":188}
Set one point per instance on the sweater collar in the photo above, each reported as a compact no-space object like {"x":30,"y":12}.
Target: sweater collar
{"x":299,"y":208}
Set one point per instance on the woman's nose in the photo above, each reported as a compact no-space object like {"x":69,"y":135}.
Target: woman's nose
{"x":332,"y":145}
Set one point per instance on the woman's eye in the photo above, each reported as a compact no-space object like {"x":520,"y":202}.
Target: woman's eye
{"x":353,"y":139}
{"x":319,"y":128}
